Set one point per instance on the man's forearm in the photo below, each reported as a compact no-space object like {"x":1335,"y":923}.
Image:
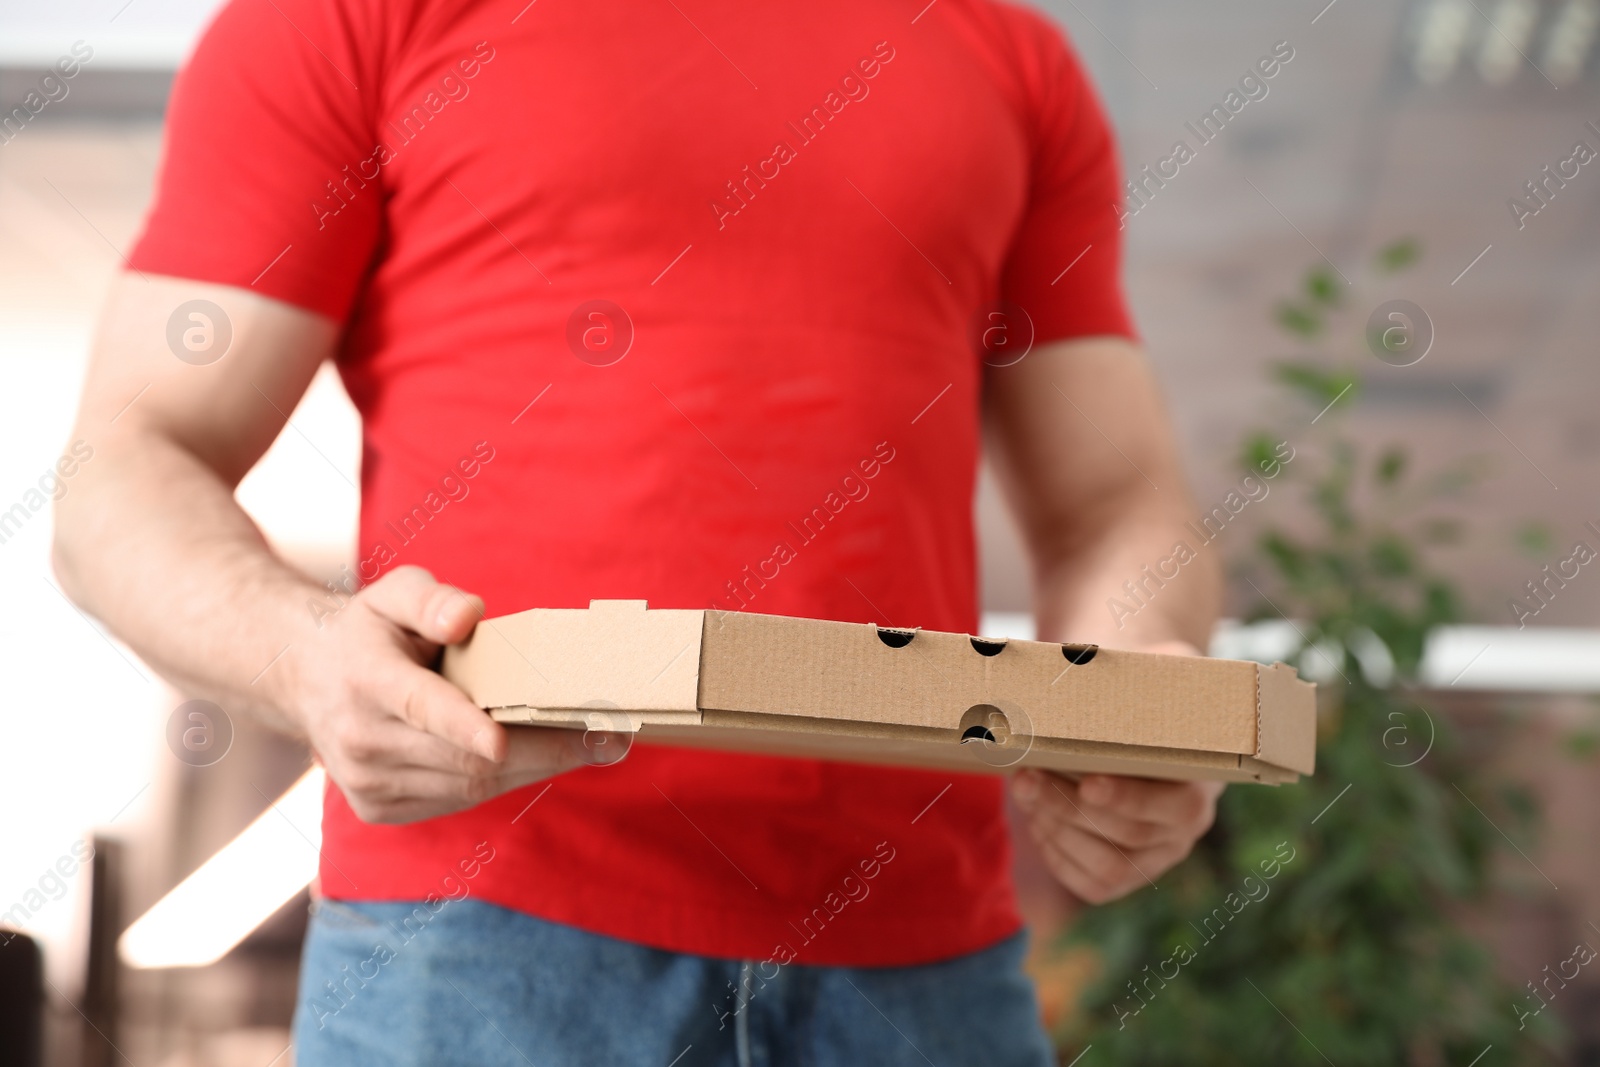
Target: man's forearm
{"x":151,"y":541}
{"x":1099,"y":499}
{"x":1080,"y":592}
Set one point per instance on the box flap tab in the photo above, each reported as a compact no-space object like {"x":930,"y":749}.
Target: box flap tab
{"x":612,"y":655}
{"x":1286,"y":714}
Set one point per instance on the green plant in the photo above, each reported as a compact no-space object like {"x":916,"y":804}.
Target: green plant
{"x":1349,"y":951}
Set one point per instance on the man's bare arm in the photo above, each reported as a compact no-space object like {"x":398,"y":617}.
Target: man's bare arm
{"x":150,"y":538}
{"x":151,"y":541}
{"x":1083,"y":449}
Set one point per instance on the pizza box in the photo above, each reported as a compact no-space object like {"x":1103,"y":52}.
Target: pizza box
{"x":859,"y":692}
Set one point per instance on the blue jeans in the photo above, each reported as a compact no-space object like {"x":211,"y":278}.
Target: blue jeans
{"x":476,"y":984}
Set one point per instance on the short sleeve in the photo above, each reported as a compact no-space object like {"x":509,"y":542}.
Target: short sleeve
{"x":1065,"y":263}
{"x":267,"y":181}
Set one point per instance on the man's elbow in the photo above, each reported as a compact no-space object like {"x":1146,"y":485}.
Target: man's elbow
{"x":75,"y":531}
{"x":66,"y":540}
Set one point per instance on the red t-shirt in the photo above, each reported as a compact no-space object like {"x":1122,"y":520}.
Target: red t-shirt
{"x":802,"y":210}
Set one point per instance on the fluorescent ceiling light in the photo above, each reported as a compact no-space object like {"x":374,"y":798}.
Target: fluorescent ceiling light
{"x":1541,"y":659}
{"x":1571,"y":36}
{"x":1506,"y":42}
{"x":1441,"y":35}
{"x":36,"y":48}
{"x":236,"y":890}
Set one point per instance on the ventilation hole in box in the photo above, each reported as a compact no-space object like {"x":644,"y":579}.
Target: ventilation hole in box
{"x":985,"y":722}
{"x":896,"y":638}
{"x":1078,"y":655}
{"x":987,"y":647}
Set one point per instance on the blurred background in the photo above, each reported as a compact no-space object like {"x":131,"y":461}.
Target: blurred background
{"x":1419,"y":151}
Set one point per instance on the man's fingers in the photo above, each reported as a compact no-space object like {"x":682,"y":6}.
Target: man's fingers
{"x":1069,"y":873}
{"x":1088,"y":865}
{"x":1050,"y":823}
{"x":1183,"y":804}
{"x":1105,"y":842}
{"x":412,"y":598}
{"x":406,"y":794}
{"x":397,"y":743}
{"x":537,"y":746}
{"x":450,"y":739}
{"x":426,"y":701}
{"x":1059,"y":804}
{"x":401,"y":741}
{"x":390,"y":793}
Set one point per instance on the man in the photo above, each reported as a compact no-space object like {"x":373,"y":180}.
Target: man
{"x":656,"y":300}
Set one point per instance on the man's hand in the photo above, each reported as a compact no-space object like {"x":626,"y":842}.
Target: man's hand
{"x":400,"y":741}
{"x":1104,"y":836}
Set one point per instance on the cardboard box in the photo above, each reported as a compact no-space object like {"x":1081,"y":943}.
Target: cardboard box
{"x":854,"y":691}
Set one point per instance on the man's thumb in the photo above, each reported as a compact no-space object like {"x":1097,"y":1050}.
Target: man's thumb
{"x":412,"y":598}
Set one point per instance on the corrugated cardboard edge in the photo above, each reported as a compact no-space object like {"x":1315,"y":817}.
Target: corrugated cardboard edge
{"x":838,"y":739}
{"x":1286,"y":719}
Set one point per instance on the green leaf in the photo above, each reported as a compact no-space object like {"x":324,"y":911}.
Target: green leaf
{"x":1260,"y":454}
{"x":1318,"y":385}
{"x":1440,"y":604}
{"x":1519,"y":803}
{"x":1534,"y":539}
{"x":1398,"y":255}
{"x":1581,"y":745}
{"x":1392,"y":557}
{"x":1391,"y":465}
{"x":1299,"y":320}
{"x":1287,"y":556}
{"x":1323,"y":286}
